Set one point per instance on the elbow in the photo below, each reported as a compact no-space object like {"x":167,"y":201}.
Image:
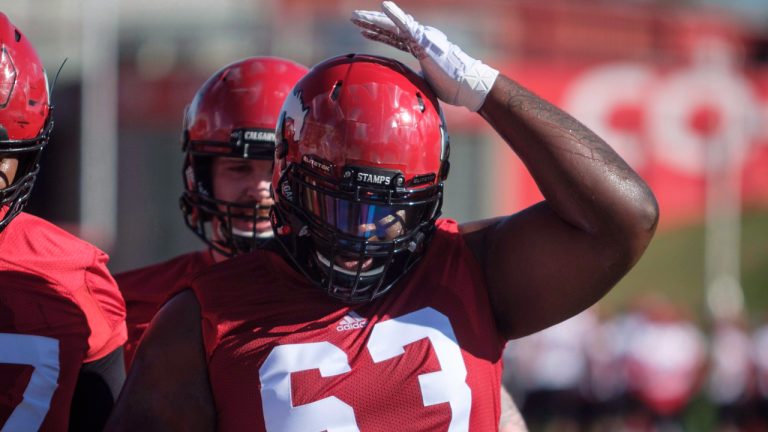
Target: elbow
{"x":642,"y":218}
{"x":647,"y":213}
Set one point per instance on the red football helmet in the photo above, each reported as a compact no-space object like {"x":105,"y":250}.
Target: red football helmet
{"x":232,"y":115}
{"x":361,"y":157}
{"x":25,"y":120}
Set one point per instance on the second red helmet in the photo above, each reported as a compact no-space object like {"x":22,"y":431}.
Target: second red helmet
{"x":234,"y":115}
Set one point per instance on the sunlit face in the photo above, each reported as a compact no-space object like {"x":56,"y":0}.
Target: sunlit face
{"x":243,"y":181}
{"x":8,"y":167}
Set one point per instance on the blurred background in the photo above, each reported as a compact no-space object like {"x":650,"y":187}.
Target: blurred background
{"x":678,"y":87}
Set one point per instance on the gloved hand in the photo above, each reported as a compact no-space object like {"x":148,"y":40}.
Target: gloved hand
{"x":457,"y":78}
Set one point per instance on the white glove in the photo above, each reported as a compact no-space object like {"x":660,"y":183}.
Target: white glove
{"x":457,"y":78}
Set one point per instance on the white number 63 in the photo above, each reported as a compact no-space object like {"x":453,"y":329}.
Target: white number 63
{"x":388,"y":339}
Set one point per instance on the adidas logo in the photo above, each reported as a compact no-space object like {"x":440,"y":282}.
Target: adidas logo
{"x":351,"y":321}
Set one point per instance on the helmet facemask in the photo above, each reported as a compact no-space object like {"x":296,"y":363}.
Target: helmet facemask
{"x":219,"y":223}
{"x":354,"y":240}
{"x":28,"y":152}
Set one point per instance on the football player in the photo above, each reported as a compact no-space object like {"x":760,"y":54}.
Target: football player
{"x":379,"y":316}
{"x":62,"y":319}
{"x":229,"y":140}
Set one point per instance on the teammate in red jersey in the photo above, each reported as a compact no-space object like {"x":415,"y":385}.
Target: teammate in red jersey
{"x":377,"y":316}
{"x":62,"y":319}
{"x":228,"y":140}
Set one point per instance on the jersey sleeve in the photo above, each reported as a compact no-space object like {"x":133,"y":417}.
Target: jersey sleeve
{"x":104,"y":309}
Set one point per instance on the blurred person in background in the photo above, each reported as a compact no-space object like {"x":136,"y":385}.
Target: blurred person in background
{"x":376,"y":311}
{"x":62,"y":319}
{"x":732,"y":385}
{"x":666,"y":362}
{"x":552,"y":368}
{"x":760,"y":356}
{"x":228,"y":141}
{"x":607,"y":380}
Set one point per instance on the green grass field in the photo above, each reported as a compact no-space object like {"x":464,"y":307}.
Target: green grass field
{"x":674,"y":265}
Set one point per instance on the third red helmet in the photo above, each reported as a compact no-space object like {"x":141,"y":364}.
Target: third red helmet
{"x":25,"y":120}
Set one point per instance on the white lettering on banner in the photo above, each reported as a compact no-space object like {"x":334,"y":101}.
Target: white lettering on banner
{"x":676,"y":101}
{"x":387,"y":340}
{"x":666,"y":105}
{"x":595,"y":95}
{"x":42,"y":353}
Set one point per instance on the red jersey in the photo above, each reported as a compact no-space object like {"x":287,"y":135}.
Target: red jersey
{"x":146,"y":290}
{"x":59,"y":308}
{"x":282,"y":355}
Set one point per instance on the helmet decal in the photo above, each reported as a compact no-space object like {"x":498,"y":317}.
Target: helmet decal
{"x":322,"y":166}
{"x":7,"y":77}
{"x":295,"y":113}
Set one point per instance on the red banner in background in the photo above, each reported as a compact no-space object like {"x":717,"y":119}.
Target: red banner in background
{"x":670,"y":124}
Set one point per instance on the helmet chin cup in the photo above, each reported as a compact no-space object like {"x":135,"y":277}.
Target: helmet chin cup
{"x":252,"y":233}
{"x":213,"y":221}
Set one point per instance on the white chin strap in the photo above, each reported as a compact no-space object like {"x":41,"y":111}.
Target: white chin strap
{"x":326,"y":262}
{"x":250,"y":233}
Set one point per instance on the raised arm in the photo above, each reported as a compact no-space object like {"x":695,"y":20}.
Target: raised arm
{"x":167,"y":387}
{"x":554,"y":259}
{"x":557,"y":258}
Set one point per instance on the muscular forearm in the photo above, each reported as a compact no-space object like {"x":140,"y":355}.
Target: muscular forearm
{"x":583,"y":179}
{"x":554,"y":259}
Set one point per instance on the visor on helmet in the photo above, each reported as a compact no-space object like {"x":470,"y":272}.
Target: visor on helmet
{"x":375,"y":222}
